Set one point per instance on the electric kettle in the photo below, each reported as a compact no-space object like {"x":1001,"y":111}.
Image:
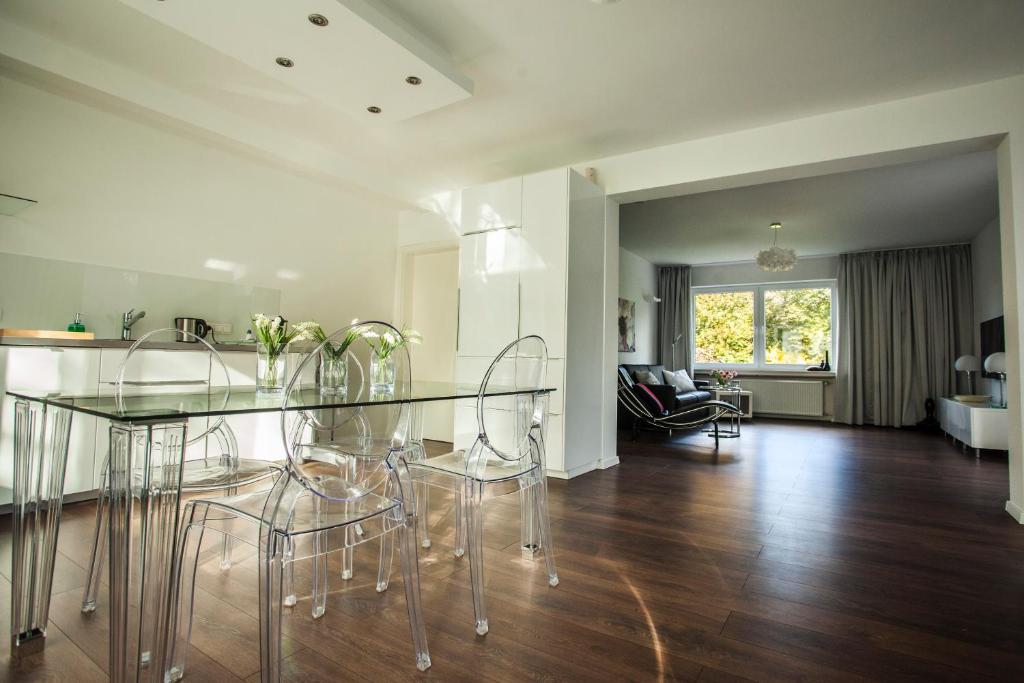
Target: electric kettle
{"x":196,"y":326}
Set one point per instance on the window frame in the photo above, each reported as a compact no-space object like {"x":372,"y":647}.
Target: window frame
{"x":758,"y":290}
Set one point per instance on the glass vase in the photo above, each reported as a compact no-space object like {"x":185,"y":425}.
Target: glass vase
{"x":333,"y":374}
{"x":269,"y":370}
{"x":382,"y":374}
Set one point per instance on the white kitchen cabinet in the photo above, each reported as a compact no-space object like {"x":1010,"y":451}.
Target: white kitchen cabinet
{"x":544,"y":258}
{"x":258,"y":434}
{"x":57,"y":371}
{"x":556,"y":261}
{"x":490,"y":206}
{"x":488,"y":291}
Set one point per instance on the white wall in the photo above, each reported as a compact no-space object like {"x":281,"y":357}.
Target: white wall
{"x":116,"y":192}
{"x":815,"y":268}
{"x":988,"y":289}
{"x":638,"y":278}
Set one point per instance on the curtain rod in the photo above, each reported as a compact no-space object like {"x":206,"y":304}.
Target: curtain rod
{"x":809,"y":256}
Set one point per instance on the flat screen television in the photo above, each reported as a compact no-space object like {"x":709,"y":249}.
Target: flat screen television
{"x":992,"y":340}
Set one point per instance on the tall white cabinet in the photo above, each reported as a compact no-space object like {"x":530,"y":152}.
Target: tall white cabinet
{"x":531,"y":261}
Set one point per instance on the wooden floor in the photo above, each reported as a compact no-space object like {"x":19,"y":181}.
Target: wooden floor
{"x":802,"y":552}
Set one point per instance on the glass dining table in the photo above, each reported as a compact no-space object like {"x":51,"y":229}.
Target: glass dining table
{"x":148,"y":436}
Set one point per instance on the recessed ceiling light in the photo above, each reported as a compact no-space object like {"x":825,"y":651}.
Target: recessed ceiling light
{"x":285,"y":62}
{"x":413,"y":80}
{"x":318,"y":20}
{"x":373,"y":110}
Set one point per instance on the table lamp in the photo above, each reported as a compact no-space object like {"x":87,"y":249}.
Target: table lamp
{"x":996,"y":364}
{"x":970,"y":365}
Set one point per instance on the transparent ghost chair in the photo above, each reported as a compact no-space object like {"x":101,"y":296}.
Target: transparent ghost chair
{"x":212,"y":459}
{"x":345,"y":483}
{"x":506,"y":457}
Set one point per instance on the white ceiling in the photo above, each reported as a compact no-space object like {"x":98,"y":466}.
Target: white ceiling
{"x":555,"y":83}
{"x":940,"y":201}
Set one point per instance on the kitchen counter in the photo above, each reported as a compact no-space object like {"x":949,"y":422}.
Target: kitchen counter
{"x":119,"y":344}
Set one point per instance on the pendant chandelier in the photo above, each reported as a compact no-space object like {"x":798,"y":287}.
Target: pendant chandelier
{"x":775,"y":259}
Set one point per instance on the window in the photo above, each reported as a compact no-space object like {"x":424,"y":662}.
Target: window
{"x":777,"y":326}
{"x":724,"y":329}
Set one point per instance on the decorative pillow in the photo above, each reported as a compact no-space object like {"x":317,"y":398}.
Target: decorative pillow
{"x":648,"y":399}
{"x":680,"y":380}
{"x":647,"y":377}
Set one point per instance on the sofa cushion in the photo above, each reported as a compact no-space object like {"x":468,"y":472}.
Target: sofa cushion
{"x":649,"y":400}
{"x":691,"y":397}
{"x":680,"y":380}
{"x":647,"y":377}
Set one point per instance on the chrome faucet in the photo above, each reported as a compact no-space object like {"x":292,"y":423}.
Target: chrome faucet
{"x":129,"y":319}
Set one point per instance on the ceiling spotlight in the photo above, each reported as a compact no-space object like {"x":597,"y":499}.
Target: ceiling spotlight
{"x":285,"y":62}
{"x":373,"y":110}
{"x":318,"y":20}
{"x":413,"y":80}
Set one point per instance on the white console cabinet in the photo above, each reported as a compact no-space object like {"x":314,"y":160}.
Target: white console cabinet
{"x":976,"y":426}
{"x":531,"y":259}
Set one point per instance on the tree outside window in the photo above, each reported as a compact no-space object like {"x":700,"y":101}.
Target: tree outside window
{"x":725,"y":327}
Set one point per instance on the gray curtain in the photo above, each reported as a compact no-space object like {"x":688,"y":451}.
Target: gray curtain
{"x":674,"y":317}
{"x":904,"y":317}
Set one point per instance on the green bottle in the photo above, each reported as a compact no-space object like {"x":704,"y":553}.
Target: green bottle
{"x":78,"y":325}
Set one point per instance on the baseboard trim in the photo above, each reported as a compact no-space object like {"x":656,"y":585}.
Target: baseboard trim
{"x":608,"y":462}
{"x":575,"y":471}
{"x":1015,"y":511}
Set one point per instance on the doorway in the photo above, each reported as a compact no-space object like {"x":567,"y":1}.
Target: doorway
{"x":430,"y":303}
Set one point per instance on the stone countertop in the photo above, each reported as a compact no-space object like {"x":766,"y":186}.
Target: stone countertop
{"x":119,"y":344}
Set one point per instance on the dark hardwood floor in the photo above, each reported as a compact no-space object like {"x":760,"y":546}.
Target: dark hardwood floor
{"x":803,"y":551}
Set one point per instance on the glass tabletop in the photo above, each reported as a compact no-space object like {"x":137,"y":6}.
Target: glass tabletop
{"x":176,"y":405}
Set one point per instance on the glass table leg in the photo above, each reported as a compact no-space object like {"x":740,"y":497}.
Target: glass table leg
{"x":144,"y":487}
{"x":41,"y":435}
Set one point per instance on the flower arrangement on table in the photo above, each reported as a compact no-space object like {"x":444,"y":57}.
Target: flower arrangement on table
{"x":382,"y":365}
{"x":273,"y":335}
{"x":333,"y":362}
{"x":724,"y":377}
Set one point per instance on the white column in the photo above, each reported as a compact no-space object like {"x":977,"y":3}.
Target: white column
{"x":1010,"y":161}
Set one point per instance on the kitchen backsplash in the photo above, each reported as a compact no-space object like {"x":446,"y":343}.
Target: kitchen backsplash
{"x":39,"y":293}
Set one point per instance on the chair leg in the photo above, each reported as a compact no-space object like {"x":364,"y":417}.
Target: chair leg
{"x":387,"y":552}
{"x":460,"y":523}
{"x":346,"y":552}
{"x":529,"y":541}
{"x":184,"y":585}
{"x":475,"y":528}
{"x":272,"y":576}
{"x":411,"y":579}
{"x":288,"y":580}
{"x":99,"y":547}
{"x":423,"y":513}
{"x":387,"y":545}
{"x":319,"y":563}
{"x":225,"y":550}
{"x":540,"y":500}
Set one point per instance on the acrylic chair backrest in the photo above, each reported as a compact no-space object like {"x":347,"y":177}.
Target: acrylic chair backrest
{"x":339,"y":451}
{"x":509,"y":423}
{"x":153,"y":378}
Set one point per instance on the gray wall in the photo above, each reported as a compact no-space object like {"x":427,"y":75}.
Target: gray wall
{"x":988,"y":288}
{"x":812,"y":268}
{"x":638,"y":278}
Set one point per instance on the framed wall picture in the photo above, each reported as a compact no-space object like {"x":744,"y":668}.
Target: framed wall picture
{"x":627,"y":325}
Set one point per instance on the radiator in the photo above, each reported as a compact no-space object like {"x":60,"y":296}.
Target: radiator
{"x":804,"y":397}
